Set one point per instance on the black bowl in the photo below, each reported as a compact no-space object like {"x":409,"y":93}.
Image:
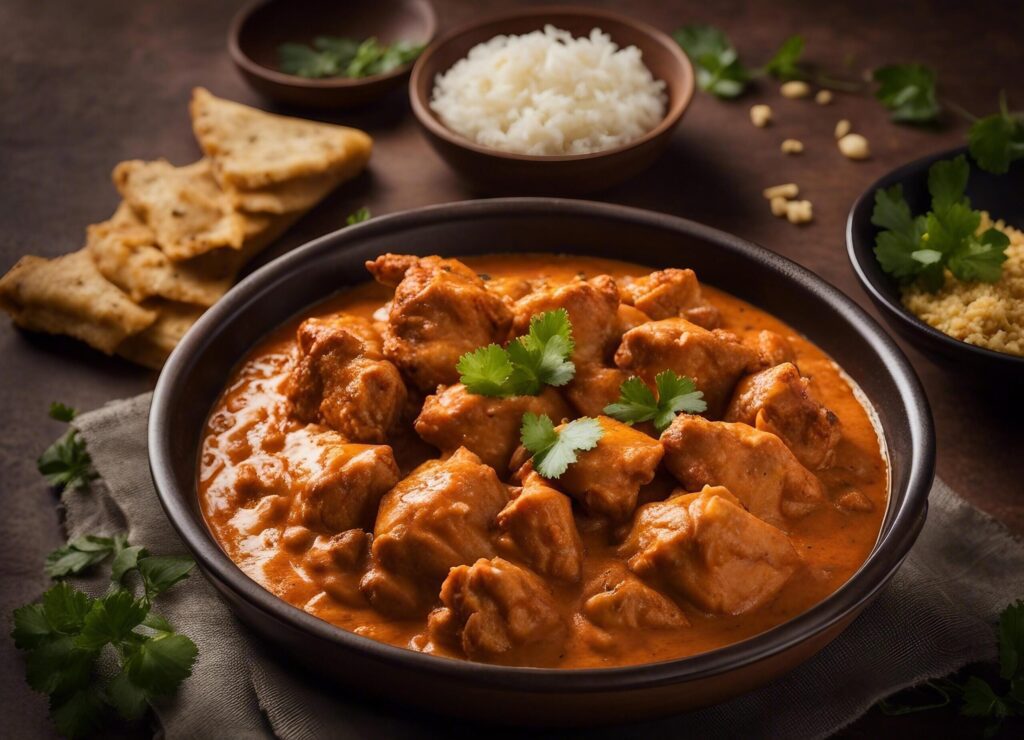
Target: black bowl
{"x":198,"y":369}
{"x":1001,"y":195}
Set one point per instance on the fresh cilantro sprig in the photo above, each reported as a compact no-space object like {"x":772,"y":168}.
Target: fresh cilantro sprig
{"x":529,"y":363}
{"x":90,"y":654}
{"x":785,"y":65}
{"x":718,"y":66}
{"x":637,"y":402}
{"x":81,"y":553}
{"x":922,"y":247}
{"x":66,"y":463}
{"x":908,"y":92}
{"x":332,"y":56}
{"x":357,"y":217}
{"x":553,"y":450}
{"x":997,"y":140}
{"x":994,"y":700}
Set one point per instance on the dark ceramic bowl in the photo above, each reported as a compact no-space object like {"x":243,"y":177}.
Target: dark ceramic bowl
{"x":198,"y":369}
{"x":260,"y":28}
{"x":1001,"y":195}
{"x":492,"y":170}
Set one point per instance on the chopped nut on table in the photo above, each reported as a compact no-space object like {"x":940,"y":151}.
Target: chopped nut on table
{"x":823,"y":97}
{"x":786,"y":190}
{"x":761,"y":115}
{"x":779,"y":206}
{"x":854,"y":146}
{"x":799,"y":212}
{"x":792,"y":146}
{"x":843,"y":127}
{"x":795,"y":89}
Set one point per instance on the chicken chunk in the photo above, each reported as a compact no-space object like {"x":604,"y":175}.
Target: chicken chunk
{"x":496,"y":610}
{"x":629,"y":317}
{"x":441,"y":516}
{"x":709,"y":550}
{"x":671,"y":293}
{"x":538,"y":528}
{"x":488,"y":426}
{"x":592,"y":306}
{"x":755,"y":466}
{"x":714,"y":359}
{"x":510,"y":288}
{"x":594,"y":387}
{"x":607,"y":478}
{"x":440,"y":311}
{"x":779,"y":400}
{"x":342,"y":380}
{"x":772,"y":348}
{"x":339,"y":484}
{"x":617,"y":599}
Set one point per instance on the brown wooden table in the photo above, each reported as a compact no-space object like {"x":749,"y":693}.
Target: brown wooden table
{"x":86,"y":85}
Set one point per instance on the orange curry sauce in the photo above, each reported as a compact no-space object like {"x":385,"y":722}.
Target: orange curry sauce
{"x":833,"y":542}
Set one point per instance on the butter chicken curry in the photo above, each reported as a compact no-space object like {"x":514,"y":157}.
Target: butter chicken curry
{"x":348,"y":470}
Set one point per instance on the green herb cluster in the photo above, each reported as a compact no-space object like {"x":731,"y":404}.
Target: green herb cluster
{"x":66,"y":463}
{"x":922,"y":248}
{"x":554,"y":451}
{"x":90,"y":654}
{"x":357,"y":217}
{"x":908,"y":92}
{"x":997,"y":140}
{"x":977,"y":697}
{"x":333,"y":56}
{"x":528,"y":363}
{"x":637,"y":402}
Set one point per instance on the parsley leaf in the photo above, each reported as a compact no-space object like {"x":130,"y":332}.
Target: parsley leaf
{"x":997,"y":140}
{"x":363,"y":214}
{"x":981,"y":701}
{"x":81,"y":553}
{"x":908,"y":91}
{"x":66,"y":463}
{"x":637,"y":401}
{"x":65,"y":633}
{"x":1011,"y":642}
{"x":785,"y":64}
{"x":333,"y":56}
{"x":555,"y":450}
{"x":716,"y":61}
{"x":530,"y":362}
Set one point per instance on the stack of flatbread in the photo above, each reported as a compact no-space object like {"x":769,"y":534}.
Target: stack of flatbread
{"x":181,"y":234}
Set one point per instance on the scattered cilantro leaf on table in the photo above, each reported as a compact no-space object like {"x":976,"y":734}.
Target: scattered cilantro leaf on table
{"x":923,"y":247}
{"x":997,"y":140}
{"x":82,"y":553}
{"x":66,"y":463}
{"x":67,"y":635}
{"x":363,"y":214}
{"x":908,"y":92}
{"x":717,"y":63}
{"x":785,"y":65}
{"x":529,"y":363}
{"x":333,"y":56}
{"x":553,"y":450}
{"x":637,"y":401}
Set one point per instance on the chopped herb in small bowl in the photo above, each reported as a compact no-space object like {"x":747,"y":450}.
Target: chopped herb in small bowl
{"x":337,"y":56}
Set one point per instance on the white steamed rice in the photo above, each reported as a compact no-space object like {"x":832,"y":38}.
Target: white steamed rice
{"x":547,"y":93}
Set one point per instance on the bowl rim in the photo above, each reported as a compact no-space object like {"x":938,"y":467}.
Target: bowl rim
{"x":253,"y":67}
{"x":856,"y":252}
{"x":429,"y":120}
{"x":904,"y":523}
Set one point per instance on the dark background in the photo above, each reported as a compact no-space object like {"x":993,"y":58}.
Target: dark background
{"x":84,"y":85}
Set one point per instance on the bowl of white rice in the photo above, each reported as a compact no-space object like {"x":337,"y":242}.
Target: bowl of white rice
{"x":551,"y":100}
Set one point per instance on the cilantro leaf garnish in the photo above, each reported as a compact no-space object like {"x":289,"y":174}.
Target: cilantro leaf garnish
{"x":716,"y":61}
{"x":66,"y":463}
{"x":638,"y":403}
{"x":82,"y":553}
{"x":529,"y":363}
{"x":908,"y":91}
{"x":332,"y":56}
{"x":922,"y":248}
{"x":67,"y":634}
{"x":357,"y":217}
{"x":997,"y":140}
{"x":785,"y":65}
{"x":555,"y":450}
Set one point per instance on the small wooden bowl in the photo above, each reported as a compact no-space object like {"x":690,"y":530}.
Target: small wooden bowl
{"x":493,"y":170}
{"x":261,"y":27}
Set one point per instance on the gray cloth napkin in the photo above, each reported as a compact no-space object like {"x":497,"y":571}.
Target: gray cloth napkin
{"x":935,"y":616}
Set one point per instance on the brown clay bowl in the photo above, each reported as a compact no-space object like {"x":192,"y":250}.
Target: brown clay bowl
{"x":261,"y":27}
{"x":496,"y":171}
{"x":196,"y":372}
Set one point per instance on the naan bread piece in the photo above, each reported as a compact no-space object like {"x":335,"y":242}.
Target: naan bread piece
{"x":124,"y":249}
{"x":187,"y":210}
{"x":152,"y":346}
{"x":286,"y":197}
{"x":253,"y":149}
{"x":68,"y":295}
